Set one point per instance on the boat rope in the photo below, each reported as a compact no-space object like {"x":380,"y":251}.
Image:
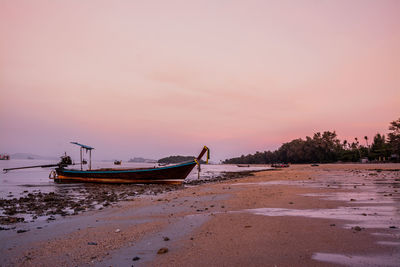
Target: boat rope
{"x":208,"y":154}
{"x":198,"y":168}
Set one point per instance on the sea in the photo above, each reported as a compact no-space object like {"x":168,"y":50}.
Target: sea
{"x":19,"y":182}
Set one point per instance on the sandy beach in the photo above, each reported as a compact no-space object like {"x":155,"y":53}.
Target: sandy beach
{"x":187,"y":133}
{"x":333,"y":214}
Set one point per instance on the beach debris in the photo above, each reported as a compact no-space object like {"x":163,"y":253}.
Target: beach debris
{"x":92,"y":243}
{"x":332,"y":224}
{"x":166,"y":238}
{"x":10,"y":220}
{"x":247,"y":226}
{"x":352,"y":199}
{"x":162,"y":251}
{"x":291,"y":202}
{"x":70,"y":202}
{"x":22,"y":231}
{"x":10,"y":211}
{"x":118,"y":230}
{"x":51,"y":218}
{"x":393,"y":227}
{"x":357,"y":228}
{"x":136,"y":258}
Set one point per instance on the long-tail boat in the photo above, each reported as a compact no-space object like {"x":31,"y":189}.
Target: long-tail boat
{"x":173,"y":174}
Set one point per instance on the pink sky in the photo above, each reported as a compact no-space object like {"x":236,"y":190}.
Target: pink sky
{"x":154,"y":78}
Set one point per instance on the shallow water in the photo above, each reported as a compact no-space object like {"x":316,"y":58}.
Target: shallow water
{"x":18,"y":182}
{"x":30,"y":195}
{"x":374,"y":200}
{"x":365,"y":216}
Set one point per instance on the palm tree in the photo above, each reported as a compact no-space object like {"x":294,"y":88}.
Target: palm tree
{"x":366,"y":140}
{"x":358,"y":148}
{"x":345,"y":144}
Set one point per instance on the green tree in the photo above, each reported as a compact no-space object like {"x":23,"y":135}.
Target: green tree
{"x":394,"y":137}
{"x":326,"y":147}
{"x":379,"y":148}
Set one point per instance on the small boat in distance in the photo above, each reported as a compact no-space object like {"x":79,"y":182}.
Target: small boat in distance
{"x":173,"y":174}
{"x":4,"y":157}
{"x":117,"y":162}
{"x":243,"y":165}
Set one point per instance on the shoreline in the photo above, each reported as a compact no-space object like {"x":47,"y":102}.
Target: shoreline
{"x":74,"y":199}
{"x":221,"y":223}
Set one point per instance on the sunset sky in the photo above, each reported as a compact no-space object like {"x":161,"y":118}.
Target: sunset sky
{"x":156,"y":78}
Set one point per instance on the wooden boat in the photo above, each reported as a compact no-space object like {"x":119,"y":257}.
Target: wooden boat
{"x":174,"y":174}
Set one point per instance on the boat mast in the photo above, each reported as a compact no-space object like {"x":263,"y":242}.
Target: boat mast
{"x":81,"y":158}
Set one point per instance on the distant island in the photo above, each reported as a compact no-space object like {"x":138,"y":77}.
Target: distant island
{"x":177,"y":159}
{"x":31,"y":156}
{"x":142,"y":160}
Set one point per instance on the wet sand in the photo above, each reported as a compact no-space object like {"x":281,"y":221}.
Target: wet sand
{"x":298,"y":216}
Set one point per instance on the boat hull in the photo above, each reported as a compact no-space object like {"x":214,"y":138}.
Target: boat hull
{"x":175,"y":174}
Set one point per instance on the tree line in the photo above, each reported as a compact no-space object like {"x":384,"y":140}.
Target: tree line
{"x":327,"y":148}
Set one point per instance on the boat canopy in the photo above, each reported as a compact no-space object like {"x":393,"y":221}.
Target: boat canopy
{"x":83,"y":146}
{"x":87,"y":148}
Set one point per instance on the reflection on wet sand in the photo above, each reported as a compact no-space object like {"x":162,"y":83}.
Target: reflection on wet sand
{"x":372,"y":199}
{"x":358,"y":260}
{"x":366,"y":217}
